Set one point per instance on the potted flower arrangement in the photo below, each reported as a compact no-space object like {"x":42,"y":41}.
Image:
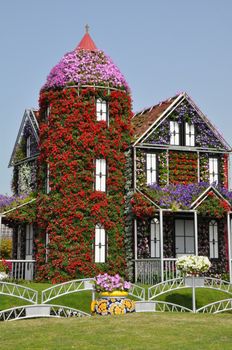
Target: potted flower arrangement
{"x":5,"y":269}
{"x":113,"y":296}
{"x":192,"y":266}
{"x":111,"y":286}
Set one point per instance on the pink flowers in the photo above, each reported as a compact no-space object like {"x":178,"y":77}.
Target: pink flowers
{"x":85,"y":67}
{"x":108,"y":283}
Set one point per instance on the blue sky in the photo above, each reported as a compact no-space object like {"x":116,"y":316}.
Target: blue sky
{"x":161,"y":46}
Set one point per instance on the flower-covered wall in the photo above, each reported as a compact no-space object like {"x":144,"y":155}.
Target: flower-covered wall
{"x":184,"y":112}
{"x":71,"y":140}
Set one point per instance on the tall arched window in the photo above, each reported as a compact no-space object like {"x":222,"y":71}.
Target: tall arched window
{"x":174,"y":133}
{"x":100,"y":244}
{"x":213,"y":239}
{"x":100,"y":175}
{"x":151,"y":168}
{"x":28,"y":149}
{"x":155,"y":238}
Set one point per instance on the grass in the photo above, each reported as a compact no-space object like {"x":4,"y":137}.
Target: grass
{"x":82,"y":300}
{"x":128,"y":332}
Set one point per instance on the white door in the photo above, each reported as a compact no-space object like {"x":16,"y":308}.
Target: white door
{"x":29,"y":252}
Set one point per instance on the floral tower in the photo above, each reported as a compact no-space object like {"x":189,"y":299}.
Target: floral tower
{"x":85,"y":128}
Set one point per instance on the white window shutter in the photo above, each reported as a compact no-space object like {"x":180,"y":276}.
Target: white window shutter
{"x":213,"y":170}
{"x":151,"y":168}
{"x":100,"y":175}
{"x":174,"y":133}
{"x":213,"y":239}
{"x":155,"y":238}
{"x":101,"y":110}
{"x":28,"y":151}
{"x":100,"y":244}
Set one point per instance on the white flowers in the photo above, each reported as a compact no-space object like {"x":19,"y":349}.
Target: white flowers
{"x":3,"y":275}
{"x":192,"y":264}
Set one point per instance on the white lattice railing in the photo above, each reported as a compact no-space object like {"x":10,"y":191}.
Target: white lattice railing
{"x":170,"y":271}
{"x":148,"y":271}
{"x":22,"y":269}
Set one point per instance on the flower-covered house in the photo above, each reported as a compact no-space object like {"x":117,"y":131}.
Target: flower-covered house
{"x":98,"y":189}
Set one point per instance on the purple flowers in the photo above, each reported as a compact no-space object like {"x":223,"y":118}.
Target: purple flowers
{"x":181,"y":196}
{"x":6,"y":202}
{"x":108,"y":283}
{"x":85,"y":67}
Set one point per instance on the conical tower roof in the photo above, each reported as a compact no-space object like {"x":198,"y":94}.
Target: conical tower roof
{"x":85,"y":65}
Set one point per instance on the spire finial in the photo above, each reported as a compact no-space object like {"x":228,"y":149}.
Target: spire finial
{"x":86,"y":28}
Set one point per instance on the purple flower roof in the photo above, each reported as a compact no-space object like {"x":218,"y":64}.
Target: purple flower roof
{"x":85,"y":66}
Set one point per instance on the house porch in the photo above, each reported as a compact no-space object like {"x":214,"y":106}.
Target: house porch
{"x":161,"y":240}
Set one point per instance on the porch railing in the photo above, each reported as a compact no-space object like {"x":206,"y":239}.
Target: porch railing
{"x":230,"y":271}
{"x":22,"y":269}
{"x":148,"y":271}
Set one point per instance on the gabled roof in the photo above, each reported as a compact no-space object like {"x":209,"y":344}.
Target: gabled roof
{"x":205,"y":194}
{"x":29,"y":116}
{"x":144,"y":121}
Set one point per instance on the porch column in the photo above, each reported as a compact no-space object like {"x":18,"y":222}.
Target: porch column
{"x":229,"y":245}
{"x":196,"y":232}
{"x":135,"y":248}
{"x":161,"y":246}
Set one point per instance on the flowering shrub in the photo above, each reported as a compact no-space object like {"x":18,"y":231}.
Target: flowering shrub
{"x":108,"y":283}
{"x":192,"y":264}
{"x":5,"y":266}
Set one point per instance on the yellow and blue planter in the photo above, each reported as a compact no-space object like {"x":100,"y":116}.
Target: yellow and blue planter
{"x":113,"y":303}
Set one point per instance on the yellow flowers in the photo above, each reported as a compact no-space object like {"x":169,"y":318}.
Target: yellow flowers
{"x":112,"y":306}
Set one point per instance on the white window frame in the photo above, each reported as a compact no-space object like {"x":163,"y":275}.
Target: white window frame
{"x":100,"y":175}
{"x":48,"y":188}
{"x":102,"y":110}
{"x":151,"y":166}
{"x":155,"y":238}
{"x":29,"y":240}
{"x":213,"y":170}
{"x":213,"y":239}
{"x":100,"y":244}
{"x":47,"y":112}
{"x":174,"y":133}
{"x":28,"y":146}
{"x":47,"y":241}
{"x":189,"y":135}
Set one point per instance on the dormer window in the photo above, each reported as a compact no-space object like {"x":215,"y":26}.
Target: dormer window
{"x":189,"y":135}
{"x":28,"y":147}
{"x":213,"y":170}
{"x":100,"y":175}
{"x":174,"y":133}
{"x":102,"y":110}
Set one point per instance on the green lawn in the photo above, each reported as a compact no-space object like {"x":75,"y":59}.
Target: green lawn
{"x":82,"y":300}
{"x":127,"y":332}
{"x":132,"y":332}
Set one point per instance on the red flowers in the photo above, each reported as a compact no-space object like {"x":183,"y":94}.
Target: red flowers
{"x":70,"y":142}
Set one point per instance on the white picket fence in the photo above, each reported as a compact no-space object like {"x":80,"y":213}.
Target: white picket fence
{"x":22,"y":269}
{"x":148,"y":271}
